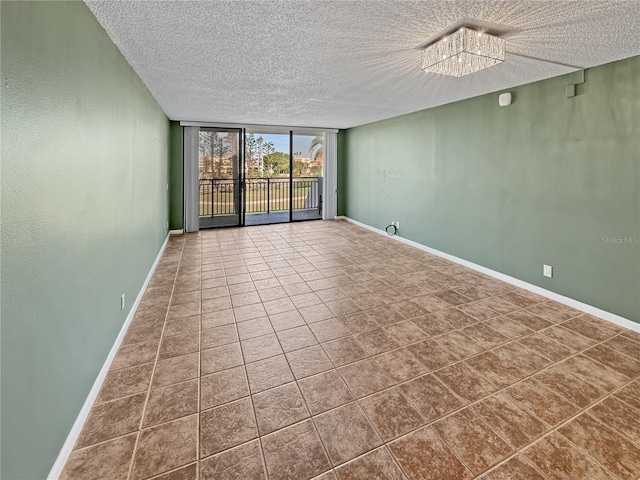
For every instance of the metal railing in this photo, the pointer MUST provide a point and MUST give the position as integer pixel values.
(262, 195)
(217, 197)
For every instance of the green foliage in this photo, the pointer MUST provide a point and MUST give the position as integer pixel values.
(251, 147)
(299, 168)
(276, 163)
(316, 149)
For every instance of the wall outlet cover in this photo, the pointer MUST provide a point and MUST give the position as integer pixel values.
(547, 271)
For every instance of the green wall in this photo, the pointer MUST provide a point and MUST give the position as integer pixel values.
(176, 208)
(85, 152)
(341, 172)
(511, 188)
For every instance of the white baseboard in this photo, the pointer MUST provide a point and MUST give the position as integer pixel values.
(67, 447)
(176, 232)
(584, 307)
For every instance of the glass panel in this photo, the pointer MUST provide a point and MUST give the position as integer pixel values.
(266, 177)
(308, 156)
(219, 167)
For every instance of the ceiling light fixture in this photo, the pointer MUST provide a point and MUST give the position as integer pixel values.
(463, 52)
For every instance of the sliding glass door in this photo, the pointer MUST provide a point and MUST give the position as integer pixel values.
(267, 177)
(256, 176)
(307, 179)
(220, 177)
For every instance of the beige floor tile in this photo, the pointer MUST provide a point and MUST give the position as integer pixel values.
(559, 379)
(268, 373)
(516, 468)
(510, 420)
(308, 361)
(188, 472)
(618, 415)
(218, 336)
(431, 354)
(630, 394)
(496, 370)
(344, 350)
(377, 341)
(424, 456)
(227, 426)
(322, 351)
(391, 413)
(608, 447)
(279, 407)
(125, 382)
(110, 459)
(346, 433)
(220, 358)
(169, 403)
(477, 445)
(176, 370)
(559, 460)
(296, 338)
(242, 462)
(466, 382)
(329, 330)
(376, 465)
(400, 365)
(217, 319)
(325, 391)
(544, 403)
(315, 313)
(179, 345)
(112, 419)
(254, 328)
(627, 365)
(257, 348)
(135, 354)
(223, 387)
(166, 447)
(364, 377)
(295, 453)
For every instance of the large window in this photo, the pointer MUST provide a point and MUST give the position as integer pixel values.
(219, 177)
(257, 176)
(308, 158)
(267, 181)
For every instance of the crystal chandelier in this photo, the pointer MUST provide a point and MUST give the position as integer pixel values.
(463, 52)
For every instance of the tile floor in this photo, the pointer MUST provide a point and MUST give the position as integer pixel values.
(323, 350)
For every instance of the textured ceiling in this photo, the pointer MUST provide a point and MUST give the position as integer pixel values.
(345, 63)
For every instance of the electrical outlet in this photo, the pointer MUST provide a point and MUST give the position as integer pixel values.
(547, 271)
(398, 225)
(122, 302)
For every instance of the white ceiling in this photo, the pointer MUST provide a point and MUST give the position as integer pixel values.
(341, 63)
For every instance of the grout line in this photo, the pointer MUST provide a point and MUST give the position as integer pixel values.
(253, 407)
(510, 340)
(311, 417)
(146, 402)
(199, 389)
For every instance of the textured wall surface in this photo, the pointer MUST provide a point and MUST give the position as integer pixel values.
(84, 205)
(548, 179)
(341, 172)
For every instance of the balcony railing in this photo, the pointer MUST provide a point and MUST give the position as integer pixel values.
(220, 196)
